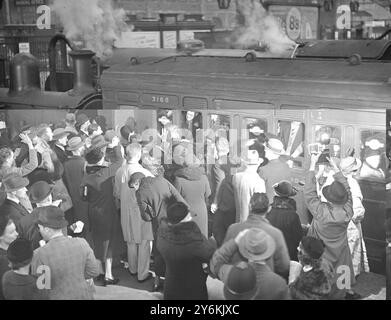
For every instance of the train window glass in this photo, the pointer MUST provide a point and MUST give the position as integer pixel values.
(329, 137)
(373, 155)
(292, 134)
(255, 127)
(192, 122)
(220, 124)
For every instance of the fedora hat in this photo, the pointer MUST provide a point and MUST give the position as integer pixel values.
(350, 164)
(39, 191)
(275, 146)
(241, 282)
(14, 181)
(99, 142)
(75, 143)
(285, 189)
(60, 133)
(51, 217)
(335, 193)
(256, 245)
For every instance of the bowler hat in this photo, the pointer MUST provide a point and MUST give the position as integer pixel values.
(20, 251)
(256, 245)
(14, 181)
(176, 212)
(259, 203)
(75, 143)
(275, 146)
(285, 189)
(81, 119)
(313, 247)
(241, 282)
(60, 133)
(39, 191)
(51, 217)
(335, 193)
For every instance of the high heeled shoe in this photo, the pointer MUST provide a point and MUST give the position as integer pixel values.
(110, 281)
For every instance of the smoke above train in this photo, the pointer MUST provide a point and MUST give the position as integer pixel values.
(91, 24)
(96, 25)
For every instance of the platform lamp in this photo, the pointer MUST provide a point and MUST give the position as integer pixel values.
(223, 4)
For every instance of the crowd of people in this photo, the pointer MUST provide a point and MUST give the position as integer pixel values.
(76, 195)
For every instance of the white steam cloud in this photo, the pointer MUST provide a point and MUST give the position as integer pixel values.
(91, 24)
(259, 28)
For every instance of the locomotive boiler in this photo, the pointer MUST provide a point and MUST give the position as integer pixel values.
(24, 91)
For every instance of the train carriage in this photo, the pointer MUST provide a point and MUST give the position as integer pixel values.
(344, 97)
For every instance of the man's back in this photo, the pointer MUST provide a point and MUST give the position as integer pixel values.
(245, 185)
(273, 172)
(71, 261)
(280, 261)
(271, 286)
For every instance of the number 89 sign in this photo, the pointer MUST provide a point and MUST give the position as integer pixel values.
(293, 23)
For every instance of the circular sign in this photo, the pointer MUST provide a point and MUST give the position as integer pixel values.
(293, 23)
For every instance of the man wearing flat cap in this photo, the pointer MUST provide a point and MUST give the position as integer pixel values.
(331, 219)
(71, 261)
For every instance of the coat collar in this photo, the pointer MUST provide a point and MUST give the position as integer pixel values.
(256, 218)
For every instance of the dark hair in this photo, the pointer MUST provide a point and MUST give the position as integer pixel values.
(135, 178)
(176, 212)
(5, 221)
(94, 156)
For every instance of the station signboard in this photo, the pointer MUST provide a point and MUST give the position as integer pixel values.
(298, 22)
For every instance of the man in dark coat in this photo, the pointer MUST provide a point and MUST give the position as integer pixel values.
(15, 188)
(97, 190)
(279, 262)
(284, 217)
(226, 211)
(60, 139)
(154, 194)
(74, 169)
(184, 249)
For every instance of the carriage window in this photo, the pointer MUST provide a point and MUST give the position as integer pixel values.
(373, 155)
(191, 121)
(292, 134)
(220, 124)
(255, 127)
(165, 126)
(329, 137)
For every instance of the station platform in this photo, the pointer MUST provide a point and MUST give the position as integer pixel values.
(371, 286)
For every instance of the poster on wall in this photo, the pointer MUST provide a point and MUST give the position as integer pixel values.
(169, 39)
(299, 23)
(138, 40)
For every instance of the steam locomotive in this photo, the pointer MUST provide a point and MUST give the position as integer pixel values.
(24, 91)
